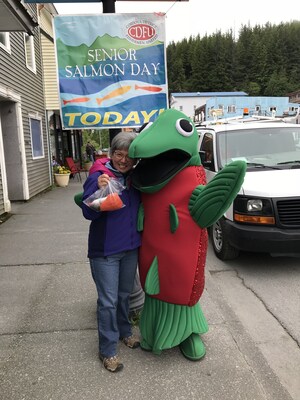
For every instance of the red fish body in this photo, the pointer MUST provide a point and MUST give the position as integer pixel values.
(180, 255)
(177, 208)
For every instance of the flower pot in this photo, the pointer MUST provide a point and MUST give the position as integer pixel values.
(62, 180)
(87, 165)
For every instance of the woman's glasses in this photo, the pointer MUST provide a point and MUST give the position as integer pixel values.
(118, 156)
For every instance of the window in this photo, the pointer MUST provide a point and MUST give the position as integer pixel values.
(207, 151)
(29, 52)
(37, 145)
(231, 109)
(4, 40)
(293, 109)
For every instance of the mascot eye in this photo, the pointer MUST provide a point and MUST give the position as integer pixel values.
(184, 127)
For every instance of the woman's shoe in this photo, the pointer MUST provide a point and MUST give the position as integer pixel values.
(112, 364)
(131, 341)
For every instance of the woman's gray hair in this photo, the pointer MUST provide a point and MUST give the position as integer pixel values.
(122, 141)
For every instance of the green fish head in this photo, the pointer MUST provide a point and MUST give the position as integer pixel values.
(163, 149)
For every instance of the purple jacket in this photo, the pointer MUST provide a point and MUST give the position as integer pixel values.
(111, 232)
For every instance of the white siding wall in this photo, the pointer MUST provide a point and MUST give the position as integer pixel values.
(50, 77)
(186, 104)
(48, 57)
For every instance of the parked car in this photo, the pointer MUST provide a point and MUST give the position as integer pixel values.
(265, 215)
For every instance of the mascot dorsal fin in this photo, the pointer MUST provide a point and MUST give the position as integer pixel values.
(174, 221)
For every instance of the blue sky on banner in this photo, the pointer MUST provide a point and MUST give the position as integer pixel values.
(72, 36)
(185, 19)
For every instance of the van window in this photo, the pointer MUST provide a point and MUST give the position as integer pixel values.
(266, 145)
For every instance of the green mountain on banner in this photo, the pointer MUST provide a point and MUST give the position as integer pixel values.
(78, 55)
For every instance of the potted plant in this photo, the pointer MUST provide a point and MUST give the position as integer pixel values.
(61, 175)
(87, 164)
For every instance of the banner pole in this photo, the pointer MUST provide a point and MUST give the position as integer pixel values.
(109, 7)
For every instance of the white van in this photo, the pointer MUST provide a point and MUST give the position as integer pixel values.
(265, 215)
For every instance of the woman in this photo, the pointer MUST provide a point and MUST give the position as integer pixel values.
(113, 251)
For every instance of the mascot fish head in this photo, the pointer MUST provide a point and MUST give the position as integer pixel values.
(163, 148)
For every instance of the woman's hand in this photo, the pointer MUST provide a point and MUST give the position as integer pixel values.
(103, 180)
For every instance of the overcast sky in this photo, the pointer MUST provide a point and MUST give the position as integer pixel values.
(193, 17)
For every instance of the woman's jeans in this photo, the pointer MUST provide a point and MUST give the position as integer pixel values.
(114, 278)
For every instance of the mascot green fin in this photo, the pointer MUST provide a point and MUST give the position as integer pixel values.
(208, 204)
(78, 199)
(174, 222)
(173, 324)
(140, 219)
(152, 279)
(192, 347)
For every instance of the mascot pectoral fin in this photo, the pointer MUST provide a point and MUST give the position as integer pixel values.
(140, 219)
(152, 279)
(78, 199)
(208, 203)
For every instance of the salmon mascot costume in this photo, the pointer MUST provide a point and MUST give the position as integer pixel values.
(177, 207)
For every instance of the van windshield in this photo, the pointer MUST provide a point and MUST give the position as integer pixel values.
(264, 146)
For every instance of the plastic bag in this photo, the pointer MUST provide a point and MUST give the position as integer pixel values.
(107, 197)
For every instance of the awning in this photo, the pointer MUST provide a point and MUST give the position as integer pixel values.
(15, 17)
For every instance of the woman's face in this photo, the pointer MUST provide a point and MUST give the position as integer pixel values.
(121, 161)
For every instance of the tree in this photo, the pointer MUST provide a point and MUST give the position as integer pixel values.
(253, 89)
(263, 60)
(278, 85)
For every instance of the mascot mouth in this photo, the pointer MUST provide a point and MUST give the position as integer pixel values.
(156, 170)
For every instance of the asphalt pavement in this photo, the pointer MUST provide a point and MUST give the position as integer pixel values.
(48, 335)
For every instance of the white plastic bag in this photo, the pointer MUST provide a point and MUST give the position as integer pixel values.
(107, 197)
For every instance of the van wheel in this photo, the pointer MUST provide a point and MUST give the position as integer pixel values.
(222, 248)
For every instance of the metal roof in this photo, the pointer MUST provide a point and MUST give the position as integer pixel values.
(208, 94)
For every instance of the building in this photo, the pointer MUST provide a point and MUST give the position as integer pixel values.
(24, 146)
(294, 96)
(236, 106)
(30, 124)
(189, 102)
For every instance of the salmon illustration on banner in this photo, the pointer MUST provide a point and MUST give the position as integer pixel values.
(114, 93)
(111, 69)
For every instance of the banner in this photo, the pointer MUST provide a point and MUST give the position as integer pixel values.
(111, 69)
